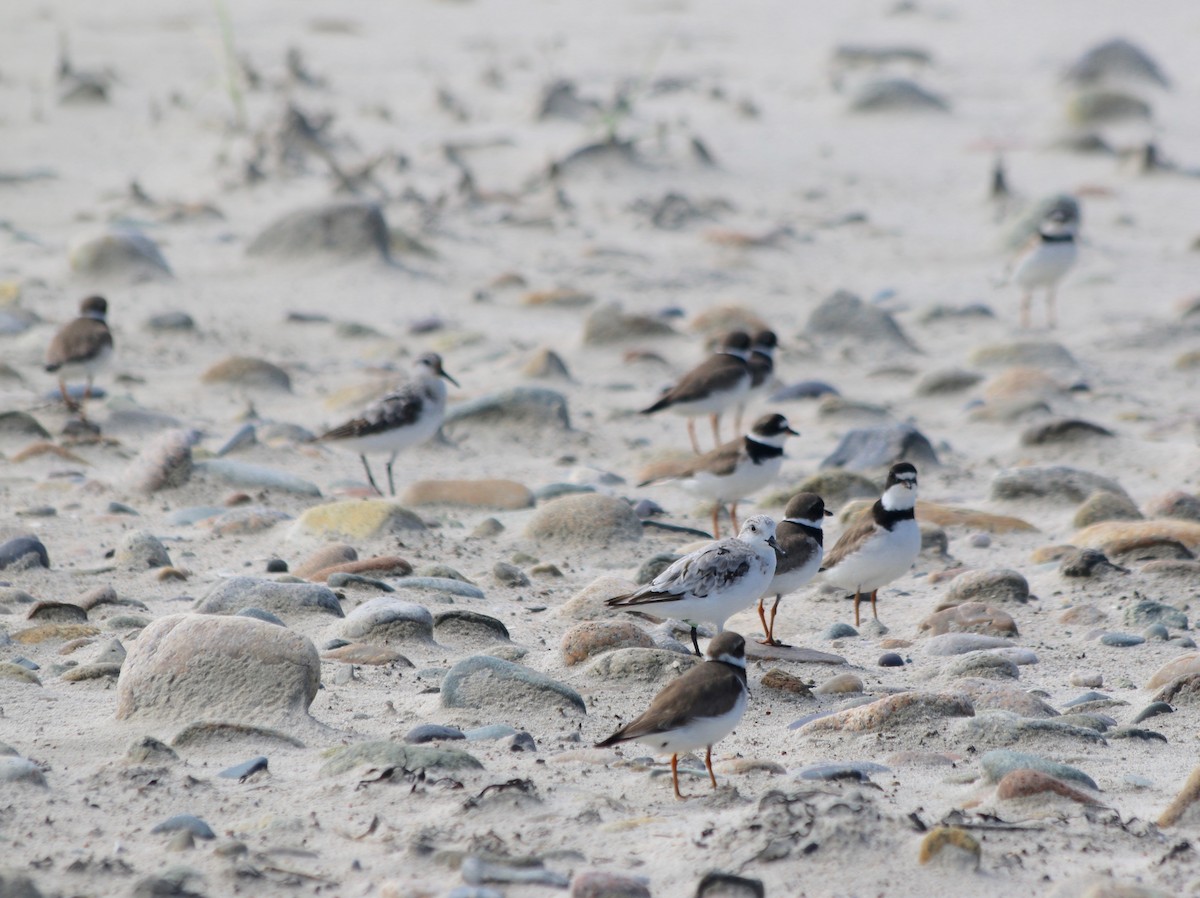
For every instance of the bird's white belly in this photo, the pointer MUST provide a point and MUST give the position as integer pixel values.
(698, 733)
(789, 581)
(720, 605)
(747, 479)
(394, 440)
(1046, 265)
(879, 561)
(90, 368)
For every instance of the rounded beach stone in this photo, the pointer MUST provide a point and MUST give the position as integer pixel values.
(1184, 808)
(462, 624)
(165, 463)
(642, 665)
(1105, 506)
(585, 520)
(590, 638)
(333, 231)
(840, 684)
(356, 520)
(990, 586)
(1056, 483)
(22, 553)
(970, 617)
(961, 643)
(1181, 666)
(387, 620)
(1027, 783)
(484, 682)
(284, 599)
(999, 729)
(1183, 690)
(502, 495)
(118, 254)
(188, 667)
(950, 846)
(378, 565)
(893, 712)
(986, 665)
(139, 551)
(248, 372)
(382, 753)
(20, 770)
(1175, 504)
(327, 556)
(598, 884)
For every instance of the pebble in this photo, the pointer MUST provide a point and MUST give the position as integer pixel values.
(585, 640)
(893, 712)
(60, 612)
(654, 566)
(1028, 783)
(384, 753)
(1183, 808)
(950, 846)
(970, 617)
(1149, 612)
(287, 600)
(998, 763)
(461, 624)
(356, 520)
(1182, 690)
(611, 324)
(598, 884)
(1105, 506)
(1002, 728)
(487, 528)
(785, 682)
(531, 409)
(1087, 563)
(1153, 710)
(139, 550)
(247, 521)
(364, 653)
(19, 770)
(387, 620)
(946, 381)
(1156, 631)
(503, 495)
(890, 659)
(1130, 732)
(443, 585)
(432, 732)
(960, 643)
(171, 321)
(185, 823)
(165, 462)
(249, 476)
(839, 684)
(475, 870)
(994, 585)
(521, 742)
(188, 667)
(858, 771)
(509, 574)
(588, 521)
(993, 695)
(1090, 678)
(838, 631)
(23, 553)
(343, 580)
(13, 670)
(642, 665)
(866, 449)
(1056, 483)
(717, 884)
(985, 664)
(244, 770)
(491, 732)
(1178, 667)
(484, 682)
(342, 230)
(1121, 640)
(118, 254)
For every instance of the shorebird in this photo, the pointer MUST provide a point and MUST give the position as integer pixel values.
(761, 363)
(83, 346)
(734, 470)
(800, 537)
(711, 387)
(405, 417)
(881, 544)
(714, 582)
(696, 710)
(1045, 261)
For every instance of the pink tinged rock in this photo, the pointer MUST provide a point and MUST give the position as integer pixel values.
(325, 557)
(1185, 803)
(970, 617)
(585, 640)
(1027, 783)
(1181, 666)
(893, 712)
(494, 494)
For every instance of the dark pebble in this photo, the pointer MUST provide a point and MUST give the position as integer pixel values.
(1153, 710)
(716, 884)
(1087, 697)
(24, 552)
(654, 566)
(334, 644)
(521, 742)
(260, 614)
(1121, 640)
(277, 566)
(171, 321)
(805, 389)
(432, 732)
(121, 508)
(1135, 733)
(26, 663)
(186, 823)
(859, 771)
(342, 579)
(839, 631)
(245, 769)
(1156, 631)
(648, 508)
(890, 659)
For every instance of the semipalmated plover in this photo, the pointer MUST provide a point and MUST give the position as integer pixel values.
(405, 417)
(881, 544)
(696, 710)
(714, 582)
(800, 536)
(711, 387)
(1046, 259)
(83, 346)
(735, 470)
(762, 372)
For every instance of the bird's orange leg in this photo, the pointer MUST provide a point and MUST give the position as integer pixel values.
(691, 425)
(675, 776)
(708, 763)
(857, 599)
(733, 517)
(874, 593)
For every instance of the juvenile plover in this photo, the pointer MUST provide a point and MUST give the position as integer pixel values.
(713, 386)
(762, 372)
(1045, 261)
(696, 710)
(736, 469)
(714, 582)
(83, 346)
(405, 417)
(881, 544)
(800, 536)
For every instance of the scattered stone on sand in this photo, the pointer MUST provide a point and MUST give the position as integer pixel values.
(502, 495)
(844, 316)
(870, 448)
(287, 600)
(892, 713)
(1030, 783)
(950, 516)
(970, 617)
(1056, 483)
(23, 553)
(185, 823)
(960, 643)
(601, 884)
(1031, 354)
(1148, 612)
(1002, 695)
(328, 556)
(1092, 679)
(1105, 506)
(586, 520)
(365, 653)
(165, 463)
(383, 754)
(57, 612)
(432, 732)
(982, 664)
(248, 521)
(1117, 60)
(185, 667)
(1183, 690)
(641, 665)
(386, 621)
(54, 633)
(330, 232)
(139, 551)
(1177, 667)
(249, 476)
(509, 575)
(14, 672)
(947, 381)
(356, 520)
(950, 847)
(1063, 431)
(782, 681)
(120, 255)
(482, 681)
(1117, 538)
(989, 586)
(837, 486)
(999, 763)
(462, 625)
(591, 638)
(546, 364)
(1087, 563)
(839, 684)
(897, 95)
(611, 324)
(1174, 504)
(1184, 808)
(248, 373)
(381, 565)
(527, 410)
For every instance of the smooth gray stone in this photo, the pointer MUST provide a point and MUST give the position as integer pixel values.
(890, 659)
(1121, 640)
(432, 732)
(182, 517)
(554, 490)
(387, 619)
(1147, 612)
(961, 643)
(245, 769)
(868, 448)
(440, 584)
(997, 764)
(718, 884)
(653, 566)
(522, 742)
(282, 599)
(385, 753)
(23, 553)
(75, 392)
(171, 321)
(244, 436)
(342, 579)
(860, 771)
(839, 630)
(845, 706)
(460, 622)
(1056, 482)
(20, 770)
(845, 316)
(491, 732)
(804, 389)
(518, 406)
(1157, 631)
(1153, 710)
(185, 823)
(26, 663)
(260, 614)
(989, 665)
(475, 871)
(1128, 732)
(332, 231)
(1085, 698)
(1003, 728)
(1016, 655)
(243, 474)
(482, 681)
(1101, 723)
